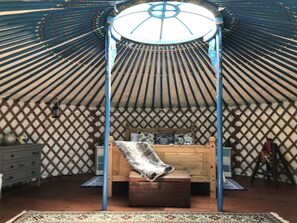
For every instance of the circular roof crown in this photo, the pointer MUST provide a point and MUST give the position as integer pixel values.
(165, 22)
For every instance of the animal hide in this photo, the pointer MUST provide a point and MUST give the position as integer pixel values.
(143, 159)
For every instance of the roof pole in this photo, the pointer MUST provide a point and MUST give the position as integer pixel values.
(219, 92)
(108, 67)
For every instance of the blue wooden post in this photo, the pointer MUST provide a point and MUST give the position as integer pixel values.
(108, 68)
(219, 94)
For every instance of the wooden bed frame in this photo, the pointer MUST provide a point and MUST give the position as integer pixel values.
(198, 160)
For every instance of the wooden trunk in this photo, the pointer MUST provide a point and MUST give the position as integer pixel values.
(173, 190)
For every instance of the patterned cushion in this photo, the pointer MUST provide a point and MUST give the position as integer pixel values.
(146, 137)
(184, 139)
(164, 138)
(179, 139)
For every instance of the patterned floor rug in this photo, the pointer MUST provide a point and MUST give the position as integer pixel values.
(96, 181)
(231, 184)
(143, 217)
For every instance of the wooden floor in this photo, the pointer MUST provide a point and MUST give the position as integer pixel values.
(65, 193)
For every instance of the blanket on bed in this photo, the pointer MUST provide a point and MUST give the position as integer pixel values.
(143, 159)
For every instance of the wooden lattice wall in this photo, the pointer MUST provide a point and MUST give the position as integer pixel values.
(253, 124)
(69, 141)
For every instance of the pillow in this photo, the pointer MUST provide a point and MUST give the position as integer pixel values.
(184, 139)
(134, 136)
(164, 138)
(179, 139)
(146, 137)
(189, 138)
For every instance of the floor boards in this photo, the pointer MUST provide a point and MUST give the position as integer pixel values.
(65, 193)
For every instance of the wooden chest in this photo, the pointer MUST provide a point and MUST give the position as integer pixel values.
(173, 190)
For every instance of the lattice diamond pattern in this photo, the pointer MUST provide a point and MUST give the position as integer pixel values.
(69, 141)
(277, 121)
(70, 132)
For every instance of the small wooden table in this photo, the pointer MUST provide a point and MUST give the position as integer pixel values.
(172, 190)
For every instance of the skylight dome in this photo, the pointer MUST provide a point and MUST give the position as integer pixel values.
(165, 23)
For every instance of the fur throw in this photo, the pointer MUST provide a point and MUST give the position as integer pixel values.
(143, 159)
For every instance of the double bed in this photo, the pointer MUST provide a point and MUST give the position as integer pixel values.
(198, 160)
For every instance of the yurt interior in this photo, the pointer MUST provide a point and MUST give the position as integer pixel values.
(117, 106)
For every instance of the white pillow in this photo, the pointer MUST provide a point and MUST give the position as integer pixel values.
(134, 137)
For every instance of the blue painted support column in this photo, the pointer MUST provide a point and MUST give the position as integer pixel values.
(219, 94)
(107, 114)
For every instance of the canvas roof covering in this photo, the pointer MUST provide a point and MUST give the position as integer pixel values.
(56, 49)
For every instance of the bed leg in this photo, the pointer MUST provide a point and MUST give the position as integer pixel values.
(110, 166)
(213, 178)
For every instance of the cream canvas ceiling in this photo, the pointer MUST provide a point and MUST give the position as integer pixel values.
(56, 49)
